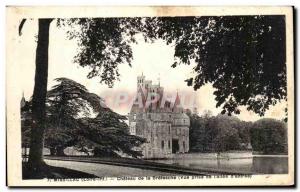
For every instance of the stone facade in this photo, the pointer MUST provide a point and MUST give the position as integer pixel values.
(162, 122)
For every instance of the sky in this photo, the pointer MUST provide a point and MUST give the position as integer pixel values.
(153, 60)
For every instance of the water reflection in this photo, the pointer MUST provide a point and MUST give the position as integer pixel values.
(262, 165)
(270, 165)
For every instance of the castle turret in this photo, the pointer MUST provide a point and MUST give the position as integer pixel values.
(177, 105)
(141, 82)
(163, 125)
(177, 101)
(23, 101)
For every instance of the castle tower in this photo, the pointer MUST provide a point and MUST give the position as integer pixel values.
(141, 82)
(165, 129)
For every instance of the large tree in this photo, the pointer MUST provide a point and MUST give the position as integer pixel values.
(243, 57)
(66, 102)
(104, 45)
(108, 135)
(269, 136)
(200, 135)
(218, 133)
(35, 161)
(70, 108)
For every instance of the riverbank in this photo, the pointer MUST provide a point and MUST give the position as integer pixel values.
(194, 163)
(257, 164)
(223, 155)
(257, 155)
(106, 170)
(148, 165)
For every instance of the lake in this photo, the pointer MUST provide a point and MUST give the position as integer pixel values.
(256, 164)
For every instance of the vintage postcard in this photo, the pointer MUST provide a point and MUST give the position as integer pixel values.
(150, 96)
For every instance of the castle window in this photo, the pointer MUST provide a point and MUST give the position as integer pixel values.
(169, 129)
(134, 116)
(162, 144)
(169, 144)
(183, 144)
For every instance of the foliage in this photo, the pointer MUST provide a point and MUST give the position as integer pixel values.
(243, 57)
(223, 133)
(218, 133)
(200, 136)
(66, 101)
(26, 121)
(103, 65)
(104, 44)
(109, 134)
(269, 136)
(69, 107)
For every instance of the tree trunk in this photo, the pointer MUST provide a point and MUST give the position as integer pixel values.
(60, 151)
(35, 161)
(52, 151)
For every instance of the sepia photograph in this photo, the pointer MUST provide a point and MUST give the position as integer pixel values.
(150, 96)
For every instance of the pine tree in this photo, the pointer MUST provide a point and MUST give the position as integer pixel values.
(69, 107)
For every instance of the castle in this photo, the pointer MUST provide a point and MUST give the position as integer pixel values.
(160, 121)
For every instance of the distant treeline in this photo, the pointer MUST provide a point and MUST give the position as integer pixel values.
(223, 133)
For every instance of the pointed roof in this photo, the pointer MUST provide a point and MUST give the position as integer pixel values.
(23, 100)
(177, 100)
(140, 90)
(140, 95)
